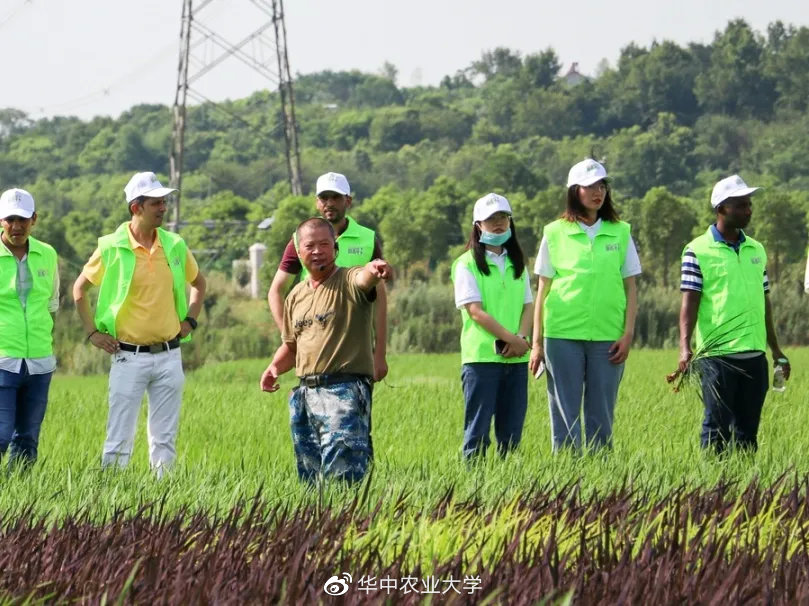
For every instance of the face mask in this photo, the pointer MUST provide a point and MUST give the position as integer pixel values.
(494, 239)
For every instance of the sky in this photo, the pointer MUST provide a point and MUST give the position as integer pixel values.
(101, 57)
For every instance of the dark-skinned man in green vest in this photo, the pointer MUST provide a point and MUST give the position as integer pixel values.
(726, 308)
(29, 295)
(356, 246)
(141, 317)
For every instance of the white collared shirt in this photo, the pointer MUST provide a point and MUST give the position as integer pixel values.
(466, 287)
(543, 266)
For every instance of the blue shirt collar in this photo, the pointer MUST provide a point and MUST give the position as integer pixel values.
(719, 238)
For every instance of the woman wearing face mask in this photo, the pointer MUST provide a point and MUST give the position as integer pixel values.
(493, 293)
(585, 309)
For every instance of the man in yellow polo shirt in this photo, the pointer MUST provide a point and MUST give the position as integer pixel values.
(141, 317)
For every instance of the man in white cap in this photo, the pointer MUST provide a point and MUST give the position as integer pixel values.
(29, 296)
(357, 245)
(141, 316)
(726, 307)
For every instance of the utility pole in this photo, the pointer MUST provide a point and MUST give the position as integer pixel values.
(287, 100)
(191, 27)
(180, 95)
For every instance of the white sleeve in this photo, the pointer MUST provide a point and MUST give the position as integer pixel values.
(631, 265)
(53, 303)
(529, 296)
(466, 287)
(543, 266)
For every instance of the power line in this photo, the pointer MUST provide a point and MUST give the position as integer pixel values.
(190, 27)
(14, 12)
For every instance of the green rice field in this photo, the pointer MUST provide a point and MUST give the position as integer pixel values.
(654, 518)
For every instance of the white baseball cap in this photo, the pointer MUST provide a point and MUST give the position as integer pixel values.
(586, 173)
(488, 205)
(145, 184)
(730, 187)
(16, 203)
(332, 182)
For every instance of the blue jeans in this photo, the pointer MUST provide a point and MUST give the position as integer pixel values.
(582, 383)
(493, 389)
(23, 398)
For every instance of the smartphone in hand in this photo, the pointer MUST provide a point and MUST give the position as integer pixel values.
(540, 371)
(499, 346)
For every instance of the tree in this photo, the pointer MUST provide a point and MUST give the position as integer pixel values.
(780, 225)
(736, 82)
(664, 227)
(540, 70)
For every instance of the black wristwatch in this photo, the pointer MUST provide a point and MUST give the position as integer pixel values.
(191, 321)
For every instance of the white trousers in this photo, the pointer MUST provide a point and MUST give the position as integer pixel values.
(160, 376)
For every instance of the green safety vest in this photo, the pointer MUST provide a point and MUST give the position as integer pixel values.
(732, 298)
(119, 267)
(356, 246)
(587, 300)
(27, 333)
(502, 297)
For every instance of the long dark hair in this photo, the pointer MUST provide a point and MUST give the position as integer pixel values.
(575, 210)
(512, 246)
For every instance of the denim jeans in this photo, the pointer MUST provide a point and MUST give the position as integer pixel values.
(493, 389)
(331, 430)
(23, 399)
(582, 383)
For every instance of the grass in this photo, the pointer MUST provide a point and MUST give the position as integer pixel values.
(234, 442)
(656, 500)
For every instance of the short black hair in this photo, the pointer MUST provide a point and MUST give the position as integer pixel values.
(315, 222)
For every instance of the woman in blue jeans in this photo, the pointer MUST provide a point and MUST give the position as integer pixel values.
(493, 292)
(585, 310)
(29, 294)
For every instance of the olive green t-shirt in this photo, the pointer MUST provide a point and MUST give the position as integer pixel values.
(331, 326)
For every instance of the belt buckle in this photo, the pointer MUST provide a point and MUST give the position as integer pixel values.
(157, 348)
(312, 381)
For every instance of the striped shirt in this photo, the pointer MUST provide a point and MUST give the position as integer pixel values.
(691, 275)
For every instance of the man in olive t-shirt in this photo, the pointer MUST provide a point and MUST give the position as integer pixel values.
(328, 339)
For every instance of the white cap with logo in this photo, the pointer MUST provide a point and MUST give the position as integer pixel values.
(332, 182)
(488, 205)
(730, 187)
(586, 173)
(16, 203)
(145, 184)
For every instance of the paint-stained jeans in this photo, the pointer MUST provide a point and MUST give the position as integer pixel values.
(331, 430)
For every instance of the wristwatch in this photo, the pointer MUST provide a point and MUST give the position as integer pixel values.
(191, 321)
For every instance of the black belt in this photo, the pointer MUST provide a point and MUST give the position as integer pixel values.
(153, 348)
(333, 379)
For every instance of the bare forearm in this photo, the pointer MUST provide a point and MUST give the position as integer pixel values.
(283, 360)
(526, 319)
(688, 317)
(772, 337)
(543, 287)
(198, 288)
(631, 290)
(491, 325)
(83, 305)
(381, 319)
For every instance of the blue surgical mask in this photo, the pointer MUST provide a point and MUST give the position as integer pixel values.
(494, 239)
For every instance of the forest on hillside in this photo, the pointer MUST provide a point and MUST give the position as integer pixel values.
(667, 120)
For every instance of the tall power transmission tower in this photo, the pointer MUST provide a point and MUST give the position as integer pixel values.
(193, 34)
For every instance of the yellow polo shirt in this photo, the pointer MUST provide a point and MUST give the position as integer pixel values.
(147, 315)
